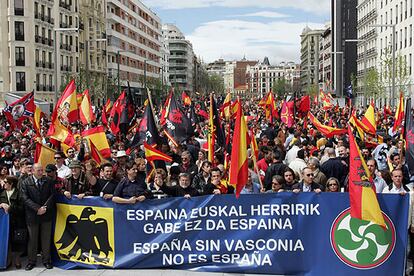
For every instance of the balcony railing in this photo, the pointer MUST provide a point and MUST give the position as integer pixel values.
(19, 36)
(18, 11)
(20, 62)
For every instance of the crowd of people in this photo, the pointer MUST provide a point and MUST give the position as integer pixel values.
(290, 159)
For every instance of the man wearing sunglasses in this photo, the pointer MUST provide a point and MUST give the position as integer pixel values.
(307, 184)
(63, 171)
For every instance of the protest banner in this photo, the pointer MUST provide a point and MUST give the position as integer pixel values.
(281, 233)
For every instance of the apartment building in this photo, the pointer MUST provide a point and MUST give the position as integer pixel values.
(310, 43)
(30, 31)
(325, 58)
(180, 59)
(400, 14)
(262, 77)
(134, 44)
(92, 61)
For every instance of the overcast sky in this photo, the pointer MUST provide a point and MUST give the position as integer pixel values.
(231, 29)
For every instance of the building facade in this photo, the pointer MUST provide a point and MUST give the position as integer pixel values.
(180, 59)
(310, 43)
(325, 58)
(134, 41)
(400, 14)
(344, 57)
(37, 50)
(263, 77)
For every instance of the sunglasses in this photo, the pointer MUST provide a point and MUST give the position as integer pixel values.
(309, 174)
(56, 158)
(332, 184)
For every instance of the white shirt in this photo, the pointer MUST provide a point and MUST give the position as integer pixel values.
(380, 184)
(63, 171)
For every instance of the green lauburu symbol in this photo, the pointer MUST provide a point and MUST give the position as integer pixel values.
(362, 244)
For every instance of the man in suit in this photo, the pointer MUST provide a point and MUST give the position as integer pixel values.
(307, 184)
(38, 196)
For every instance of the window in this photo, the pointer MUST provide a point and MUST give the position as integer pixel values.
(20, 81)
(19, 31)
(19, 51)
(18, 7)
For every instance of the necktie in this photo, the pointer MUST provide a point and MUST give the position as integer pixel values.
(38, 183)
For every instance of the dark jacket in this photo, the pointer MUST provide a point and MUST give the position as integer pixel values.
(78, 186)
(334, 167)
(200, 183)
(274, 169)
(16, 211)
(34, 198)
(192, 170)
(180, 191)
(314, 186)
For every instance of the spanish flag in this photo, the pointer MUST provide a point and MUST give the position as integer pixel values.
(37, 116)
(85, 110)
(44, 155)
(67, 105)
(238, 166)
(399, 114)
(363, 199)
(368, 123)
(62, 134)
(105, 112)
(152, 154)
(253, 145)
(97, 136)
(95, 154)
(327, 131)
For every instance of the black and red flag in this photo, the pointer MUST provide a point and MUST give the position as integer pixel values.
(409, 137)
(116, 113)
(20, 110)
(177, 126)
(147, 130)
(128, 113)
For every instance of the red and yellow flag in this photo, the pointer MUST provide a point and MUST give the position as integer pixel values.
(363, 199)
(37, 116)
(399, 114)
(152, 154)
(327, 131)
(97, 136)
(226, 107)
(211, 130)
(286, 115)
(44, 155)
(96, 155)
(186, 99)
(238, 166)
(105, 112)
(368, 122)
(85, 109)
(165, 108)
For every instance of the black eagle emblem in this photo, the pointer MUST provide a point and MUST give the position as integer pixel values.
(90, 237)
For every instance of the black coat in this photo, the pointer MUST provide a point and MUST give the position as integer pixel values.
(16, 210)
(314, 186)
(34, 198)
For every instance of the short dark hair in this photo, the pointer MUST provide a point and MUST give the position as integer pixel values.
(61, 154)
(12, 180)
(104, 165)
(129, 165)
(216, 169)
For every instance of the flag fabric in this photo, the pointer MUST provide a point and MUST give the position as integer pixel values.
(368, 122)
(20, 110)
(127, 114)
(225, 109)
(152, 154)
(147, 130)
(238, 166)
(85, 109)
(409, 138)
(165, 109)
(269, 105)
(95, 154)
(116, 112)
(327, 131)
(304, 105)
(66, 109)
(37, 116)
(286, 115)
(177, 126)
(399, 114)
(97, 136)
(44, 155)
(193, 116)
(326, 100)
(362, 195)
(105, 112)
(186, 99)
(62, 134)
(253, 145)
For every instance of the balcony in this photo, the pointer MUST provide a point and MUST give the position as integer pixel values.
(18, 11)
(63, 25)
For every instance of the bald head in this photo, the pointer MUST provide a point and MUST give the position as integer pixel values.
(331, 152)
(37, 170)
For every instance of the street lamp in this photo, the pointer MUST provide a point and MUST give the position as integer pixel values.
(342, 72)
(365, 61)
(393, 56)
(56, 55)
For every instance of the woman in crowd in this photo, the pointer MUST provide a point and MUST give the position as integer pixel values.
(12, 203)
(332, 185)
(4, 172)
(158, 182)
